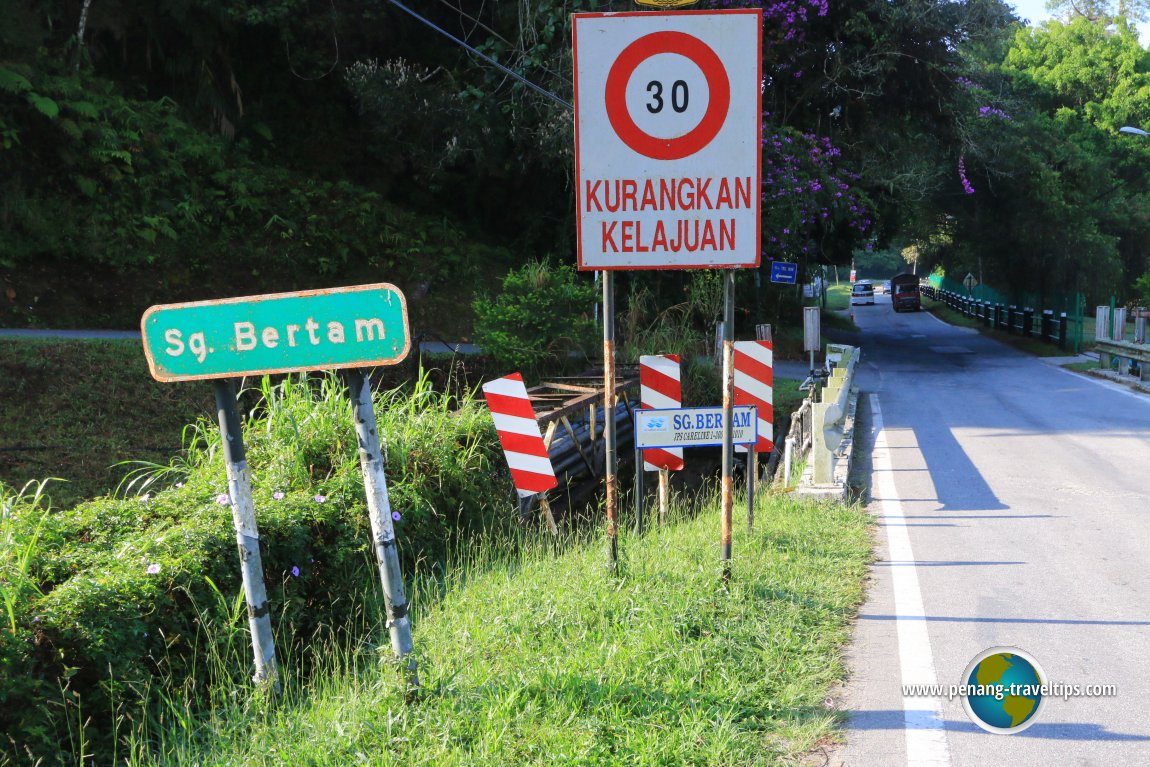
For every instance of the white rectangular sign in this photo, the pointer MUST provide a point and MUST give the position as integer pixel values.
(668, 129)
(693, 427)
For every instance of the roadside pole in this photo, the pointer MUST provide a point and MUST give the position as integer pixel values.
(752, 480)
(728, 414)
(247, 534)
(609, 417)
(638, 491)
(382, 528)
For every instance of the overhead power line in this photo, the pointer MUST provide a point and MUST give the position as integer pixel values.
(483, 56)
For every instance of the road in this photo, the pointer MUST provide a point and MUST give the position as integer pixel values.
(1012, 502)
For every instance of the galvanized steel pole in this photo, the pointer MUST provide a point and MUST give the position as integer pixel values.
(247, 533)
(728, 414)
(609, 416)
(382, 528)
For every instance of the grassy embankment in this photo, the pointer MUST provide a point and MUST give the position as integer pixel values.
(74, 408)
(546, 659)
(526, 656)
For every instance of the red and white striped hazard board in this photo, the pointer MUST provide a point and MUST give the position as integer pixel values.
(660, 388)
(519, 434)
(754, 385)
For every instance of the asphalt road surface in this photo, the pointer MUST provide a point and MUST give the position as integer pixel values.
(1012, 501)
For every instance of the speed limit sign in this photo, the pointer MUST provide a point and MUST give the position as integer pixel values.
(667, 138)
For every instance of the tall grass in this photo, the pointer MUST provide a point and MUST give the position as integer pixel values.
(540, 657)
(130, 603)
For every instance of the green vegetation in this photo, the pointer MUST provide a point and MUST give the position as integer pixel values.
(539, 658)
(74, 409)
(114, 599)
(540, 320)
(125, 614)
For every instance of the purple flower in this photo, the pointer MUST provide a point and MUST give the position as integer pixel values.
(145, 497)
(295, 571)
(395, 515)
(179, 484)
(222, 499)
(278, 495)
(153, 568)
(320, 498)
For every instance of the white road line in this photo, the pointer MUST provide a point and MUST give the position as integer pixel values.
(1113, 386)
(926, 744)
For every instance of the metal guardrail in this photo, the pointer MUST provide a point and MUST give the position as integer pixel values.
(817, 427)
(829, 416)
(1126, 353)
(1026, 322)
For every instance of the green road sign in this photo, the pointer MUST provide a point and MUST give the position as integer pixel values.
(361, 326)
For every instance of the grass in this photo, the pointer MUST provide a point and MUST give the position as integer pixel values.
(543, 658)
(73, 409)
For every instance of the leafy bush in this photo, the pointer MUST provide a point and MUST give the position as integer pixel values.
(106, 185)
(540, 319)
(130, 594)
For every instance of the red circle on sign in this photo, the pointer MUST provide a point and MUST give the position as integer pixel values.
(717, 83)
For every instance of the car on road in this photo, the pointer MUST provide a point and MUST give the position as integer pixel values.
(884, 288)
(904, 293)
(862, 293)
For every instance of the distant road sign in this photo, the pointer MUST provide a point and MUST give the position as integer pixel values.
(781, 271)
(362, 326)
(668, 128)
(969, 282)
(693, 427)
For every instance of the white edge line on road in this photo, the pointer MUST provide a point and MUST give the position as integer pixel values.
(1113, 386)
(926, 743)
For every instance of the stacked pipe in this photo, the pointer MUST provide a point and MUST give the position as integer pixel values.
(583, 456)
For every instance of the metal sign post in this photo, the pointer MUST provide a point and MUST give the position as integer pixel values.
(355, 327)
(727, 503)
(247, 534)
(609, 418)
(382, 529)
(812, 335)
(668, 137)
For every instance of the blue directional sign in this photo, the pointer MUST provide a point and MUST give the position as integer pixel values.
(781, 271)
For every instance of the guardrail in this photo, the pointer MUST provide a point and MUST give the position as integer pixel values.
(1126, 353)
(829, 416)
(1026, 322)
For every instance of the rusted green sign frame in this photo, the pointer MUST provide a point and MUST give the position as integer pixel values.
(361, 326)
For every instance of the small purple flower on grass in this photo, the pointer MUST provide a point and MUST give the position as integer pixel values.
(278, 495)
(395, 515)
(179, 484)
(321, 499)
(295, 571)
(153, 568)
(145, 497)
(222, 499)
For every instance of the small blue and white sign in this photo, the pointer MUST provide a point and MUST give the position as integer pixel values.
(781, 271)
(693, 427)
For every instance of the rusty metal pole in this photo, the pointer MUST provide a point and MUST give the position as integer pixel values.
(610, 458)
(727, 507)
(247, 534)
